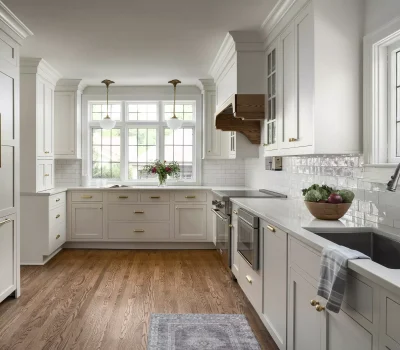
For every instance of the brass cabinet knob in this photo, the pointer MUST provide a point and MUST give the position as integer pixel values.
(46, 175)
(58, 199)
(230, 226)
(271, 228)
(249, 279)
(235, 212)
(292, 139)
(58, 236)
(320, 308)
(57, 216)
(314, 302)
(46, 152)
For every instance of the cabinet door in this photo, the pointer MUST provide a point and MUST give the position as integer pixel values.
(275, 282)
(48, 120)
(49, 175)
(191, 222)
(212, 135)
(44, 119)
(64, 124)
(8, 256)
(234, 235)
(304, 322)
(40, 127)
(87, 221)
(271, 126)
(232, 144)
(340, 332)
(304, 46)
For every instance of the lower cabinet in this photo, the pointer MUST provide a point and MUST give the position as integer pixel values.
(389, 321)
(191, 221)
(87, 220)
(8, 256)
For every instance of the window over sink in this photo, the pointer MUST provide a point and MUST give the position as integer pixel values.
(139, 138)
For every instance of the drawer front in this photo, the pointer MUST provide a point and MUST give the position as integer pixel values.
(57, 237)
(154, 196)
(146, 231)
(89, 196)
(190, 196)
(251, 283)
(57, 215)
(57, 199)
(359, 296)
(138, 212)
(305, 259)
(122, 197)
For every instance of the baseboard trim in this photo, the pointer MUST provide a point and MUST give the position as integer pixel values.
(139, 245)
(45, 260)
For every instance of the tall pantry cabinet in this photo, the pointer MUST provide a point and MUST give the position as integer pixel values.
(12, 33)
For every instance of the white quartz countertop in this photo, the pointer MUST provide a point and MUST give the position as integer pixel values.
(45, 193)
(292, 216)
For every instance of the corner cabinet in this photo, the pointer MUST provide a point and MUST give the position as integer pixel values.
(67, 119)
(308, 105)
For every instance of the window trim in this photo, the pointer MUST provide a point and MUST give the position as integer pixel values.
(87, 125)
(375, 94)
(393, 51)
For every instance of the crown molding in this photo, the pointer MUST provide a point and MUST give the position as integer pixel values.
(16, 28)
(39, 66)
(70, 85)
(207, 85)
(275, 16)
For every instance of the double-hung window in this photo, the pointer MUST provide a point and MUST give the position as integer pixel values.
(394, 103)
(141, 136)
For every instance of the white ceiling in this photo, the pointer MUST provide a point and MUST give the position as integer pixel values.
(134, 42)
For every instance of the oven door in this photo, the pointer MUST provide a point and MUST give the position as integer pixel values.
(223, 236)
(248, 243)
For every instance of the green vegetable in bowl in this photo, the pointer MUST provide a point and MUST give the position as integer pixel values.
(324, 190)
(313, 196)
(346, 195)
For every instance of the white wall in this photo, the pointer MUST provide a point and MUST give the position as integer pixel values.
(380, 12)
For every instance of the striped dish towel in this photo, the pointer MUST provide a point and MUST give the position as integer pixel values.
(333, 274)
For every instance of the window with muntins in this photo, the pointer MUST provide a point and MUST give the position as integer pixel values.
(139, 138)
(394, 103)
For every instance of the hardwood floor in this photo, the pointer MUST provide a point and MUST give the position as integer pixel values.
(102, 299)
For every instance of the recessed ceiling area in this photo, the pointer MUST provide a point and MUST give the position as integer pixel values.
(134, 42)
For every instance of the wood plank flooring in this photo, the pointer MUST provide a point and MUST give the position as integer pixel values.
(102, 299)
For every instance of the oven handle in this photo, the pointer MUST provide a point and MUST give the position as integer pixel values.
(216, 212)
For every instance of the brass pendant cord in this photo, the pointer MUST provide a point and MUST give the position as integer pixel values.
(174, 82)
(107, 82)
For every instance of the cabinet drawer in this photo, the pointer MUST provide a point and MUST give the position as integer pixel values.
(251, 283)
(122, 197)
(190, 196)
(154, 196)
(144, 232)
(90, 196)
(57, 237)
(138, 212)
(57, 215)
(57, 199)
(304, 258)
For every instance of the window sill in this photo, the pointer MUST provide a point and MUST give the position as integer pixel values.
(382, 165)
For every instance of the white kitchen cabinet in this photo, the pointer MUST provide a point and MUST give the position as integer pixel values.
(8, 256)
(67, 119)
(275, 282)
(311, 101)
(87, 221)
(191, 221)
(234, 239)
(38, 81)
(389, 321)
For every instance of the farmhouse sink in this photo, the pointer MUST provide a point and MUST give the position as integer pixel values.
(382, 250)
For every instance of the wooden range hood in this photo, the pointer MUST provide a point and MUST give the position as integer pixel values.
(242, 113)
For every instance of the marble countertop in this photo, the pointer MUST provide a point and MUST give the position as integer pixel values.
(292, 216)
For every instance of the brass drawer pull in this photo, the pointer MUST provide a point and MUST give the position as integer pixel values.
(190, 197)
(57, 216)
(58, 236)
(123, 197)
(5, 221)
(86, 197)
(139, 212)
(320, 308)
(46, 175)
(248, 278)
(314, 302)
(46, 152)
(235, 212)
(154, 197)
(138, 231)
(292, 139)
(58, 199)
(271, 228)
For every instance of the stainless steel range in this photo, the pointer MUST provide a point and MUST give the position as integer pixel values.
(222, 208)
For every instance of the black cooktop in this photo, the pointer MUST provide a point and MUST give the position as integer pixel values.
(225, 195)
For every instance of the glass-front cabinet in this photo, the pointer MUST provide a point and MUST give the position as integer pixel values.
(271, 120)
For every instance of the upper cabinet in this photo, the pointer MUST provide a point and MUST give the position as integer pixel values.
(237, 69)
(67, 119)
(38, 80)
(313, 80)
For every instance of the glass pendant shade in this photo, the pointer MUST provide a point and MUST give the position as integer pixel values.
(174, 123)
(107, 123)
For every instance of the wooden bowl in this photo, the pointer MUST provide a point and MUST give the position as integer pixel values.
(327, 211)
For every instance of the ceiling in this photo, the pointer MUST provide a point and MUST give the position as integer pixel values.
(134, 42)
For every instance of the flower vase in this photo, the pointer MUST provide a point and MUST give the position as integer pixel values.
(162, 180)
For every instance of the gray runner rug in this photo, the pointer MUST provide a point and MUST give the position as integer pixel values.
(200, 332)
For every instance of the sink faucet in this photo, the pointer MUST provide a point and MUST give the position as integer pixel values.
(392, 184)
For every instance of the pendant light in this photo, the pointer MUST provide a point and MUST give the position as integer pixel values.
(174, 123)
(107, 123)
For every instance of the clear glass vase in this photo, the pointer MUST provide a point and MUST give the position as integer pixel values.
(162, 180)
